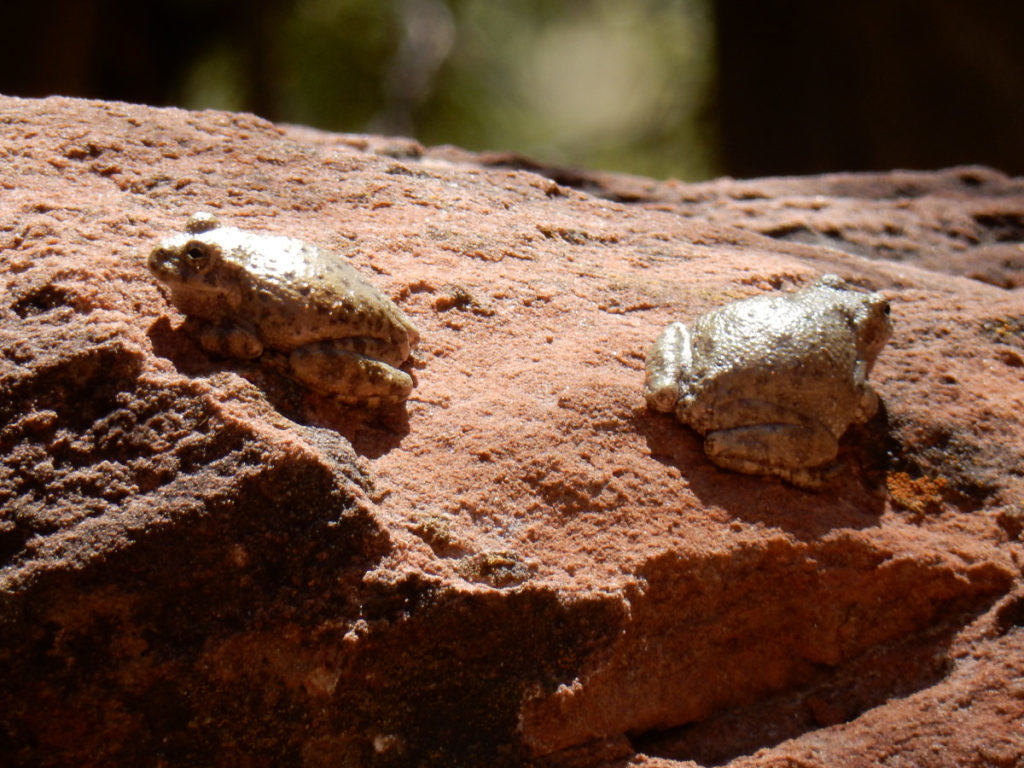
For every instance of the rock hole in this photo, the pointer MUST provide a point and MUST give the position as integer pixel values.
(1002, 226)
(43, 299)
(971, 179)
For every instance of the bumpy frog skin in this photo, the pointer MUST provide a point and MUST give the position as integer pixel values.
(308, 311)
(773, 381)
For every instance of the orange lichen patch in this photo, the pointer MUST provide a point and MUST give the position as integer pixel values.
(919, 495)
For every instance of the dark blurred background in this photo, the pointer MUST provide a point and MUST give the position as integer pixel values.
(667, 88)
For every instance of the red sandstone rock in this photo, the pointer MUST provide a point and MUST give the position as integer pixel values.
(204, 565)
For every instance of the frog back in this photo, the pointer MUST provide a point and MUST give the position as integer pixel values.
(771, 348)
(293, 294)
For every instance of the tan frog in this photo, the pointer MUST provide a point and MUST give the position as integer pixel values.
(773, 381)
(249, 295)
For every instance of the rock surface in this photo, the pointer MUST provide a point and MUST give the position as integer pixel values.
(204, 565)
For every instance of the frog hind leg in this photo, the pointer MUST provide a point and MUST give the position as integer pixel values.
(349, 376)
(796, 453)
(375, 349)
(780, 442)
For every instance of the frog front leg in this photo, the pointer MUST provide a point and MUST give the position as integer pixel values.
(867, 401)
(772, 440)
(351, 370)
(226, 340)
(668, 361)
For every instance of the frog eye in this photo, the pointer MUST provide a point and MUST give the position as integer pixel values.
(197, 256)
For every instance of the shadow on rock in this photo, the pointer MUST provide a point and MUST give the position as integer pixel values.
(853, 498)
(372, 431)
(828, 697)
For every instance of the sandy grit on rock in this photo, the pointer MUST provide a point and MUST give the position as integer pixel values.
(203, 563)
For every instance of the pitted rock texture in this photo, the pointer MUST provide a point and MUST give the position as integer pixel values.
(204, 564)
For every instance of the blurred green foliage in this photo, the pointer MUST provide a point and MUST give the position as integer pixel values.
(594, 83)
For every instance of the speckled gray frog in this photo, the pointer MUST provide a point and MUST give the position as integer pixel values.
(773, 381)
(249, 295)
